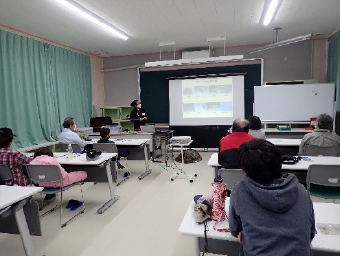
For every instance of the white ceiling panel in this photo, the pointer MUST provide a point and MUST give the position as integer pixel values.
(187, 22)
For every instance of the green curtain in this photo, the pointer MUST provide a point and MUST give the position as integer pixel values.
(41, 84)
(333, 70)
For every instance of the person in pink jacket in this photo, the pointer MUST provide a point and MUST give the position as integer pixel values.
(44, 156)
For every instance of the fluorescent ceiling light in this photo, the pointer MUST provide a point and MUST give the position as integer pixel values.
(270, 10)
(281, 43)
(80, 10)
(215, 39)
(166, 44)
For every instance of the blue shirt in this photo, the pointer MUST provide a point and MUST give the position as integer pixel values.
(69, 137)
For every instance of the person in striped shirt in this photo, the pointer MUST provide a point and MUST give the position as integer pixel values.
(13, 158)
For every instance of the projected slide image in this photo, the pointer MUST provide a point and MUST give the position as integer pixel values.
(208, 109)
(226, 89)
(201, 90)
(188, 91)
(214, 89)
(207, 93)
(212, 100)
(208, 98)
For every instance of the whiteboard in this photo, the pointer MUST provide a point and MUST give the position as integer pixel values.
(293, 103)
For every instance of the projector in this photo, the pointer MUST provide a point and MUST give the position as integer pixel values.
(180, 140)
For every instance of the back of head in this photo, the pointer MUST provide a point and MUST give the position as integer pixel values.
(68, 121)
(260, 160)
(45, 151)
(325, 121)
(6, 137)
(254, 123)
(240, 125)
(104, 132)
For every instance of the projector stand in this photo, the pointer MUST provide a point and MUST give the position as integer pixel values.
(182, 174)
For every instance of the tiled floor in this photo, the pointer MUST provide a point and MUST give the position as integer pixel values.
(143, 222)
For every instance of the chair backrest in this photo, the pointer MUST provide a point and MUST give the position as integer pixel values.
(75, 147)
(44, 173)
(325, 175)
(6, 174)
(231, 176)
(310, 150)
(106, 147)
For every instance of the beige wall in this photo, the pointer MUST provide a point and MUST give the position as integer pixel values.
(320, 53)
(300, 61)
(97, 83)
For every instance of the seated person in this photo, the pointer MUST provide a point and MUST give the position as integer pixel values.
(105, 138)
(270, 214)
(44, 156)
(69, 134)
(323, 136)
(255, 127)
(12, 158)
(229, 144)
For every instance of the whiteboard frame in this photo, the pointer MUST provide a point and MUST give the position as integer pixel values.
(273, 103)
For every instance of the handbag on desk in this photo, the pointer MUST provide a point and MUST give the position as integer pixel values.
(288, 159)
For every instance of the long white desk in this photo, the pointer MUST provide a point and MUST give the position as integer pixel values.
(104, 159)
(141, 143)
(294, 133)
(301, 165)
(299, 169)
(324, 213)
(279, 142)
(34, 147)
(128, 135)
(15, 196)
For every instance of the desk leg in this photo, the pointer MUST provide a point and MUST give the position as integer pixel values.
(148, 171)
(182, 157)
(114, 197)
(197, 247)
(23, 228)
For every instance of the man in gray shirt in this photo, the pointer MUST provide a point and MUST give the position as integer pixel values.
(323, 136)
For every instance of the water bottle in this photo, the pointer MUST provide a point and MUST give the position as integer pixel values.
(69, 152)
(219, 194)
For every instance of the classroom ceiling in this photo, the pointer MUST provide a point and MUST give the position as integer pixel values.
(187, 22)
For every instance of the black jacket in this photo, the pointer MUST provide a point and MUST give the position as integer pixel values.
(135, 116)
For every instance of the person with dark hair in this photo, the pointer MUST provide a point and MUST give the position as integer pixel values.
(270, 214)
(138, 115)
(255, 127)
(105, 138)
(44, 156)
(323, 136)
(69, 133)
(12, 158)
(229, 144)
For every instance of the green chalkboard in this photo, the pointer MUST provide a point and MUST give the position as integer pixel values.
(155, 88)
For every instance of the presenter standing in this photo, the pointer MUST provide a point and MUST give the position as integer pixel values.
(137, 115)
